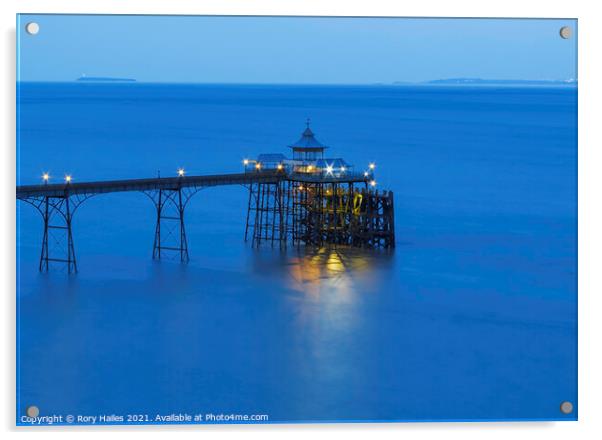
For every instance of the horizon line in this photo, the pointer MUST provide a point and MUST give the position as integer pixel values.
(430, 82)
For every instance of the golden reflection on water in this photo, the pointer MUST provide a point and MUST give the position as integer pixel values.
(329, 267)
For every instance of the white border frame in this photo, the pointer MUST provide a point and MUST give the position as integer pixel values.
(590, 221)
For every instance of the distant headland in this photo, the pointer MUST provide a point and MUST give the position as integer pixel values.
(86, 78)
(524, 82)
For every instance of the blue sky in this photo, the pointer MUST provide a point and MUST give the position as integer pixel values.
(292, 50)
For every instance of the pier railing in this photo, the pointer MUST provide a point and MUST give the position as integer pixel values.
(155, 183)
(328, 178)
(322, 176)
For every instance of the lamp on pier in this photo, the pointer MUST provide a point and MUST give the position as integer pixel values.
(181, 172)
(45, 177)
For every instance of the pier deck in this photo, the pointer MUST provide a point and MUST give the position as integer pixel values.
(169, 183)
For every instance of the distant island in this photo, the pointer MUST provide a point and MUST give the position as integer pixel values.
(480, 81)
(85, 78)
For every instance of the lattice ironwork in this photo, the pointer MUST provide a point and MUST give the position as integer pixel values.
(317, 214)
(57, 240)
(170, 229)
(266, 214)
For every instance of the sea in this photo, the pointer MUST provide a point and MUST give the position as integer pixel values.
(472, 316)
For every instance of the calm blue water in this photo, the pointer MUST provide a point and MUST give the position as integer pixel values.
(473, 316)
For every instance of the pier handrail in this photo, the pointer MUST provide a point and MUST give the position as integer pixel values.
(108, 186)
(347, 177)
(155, 183)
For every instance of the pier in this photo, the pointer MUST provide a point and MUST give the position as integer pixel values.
(307, 200)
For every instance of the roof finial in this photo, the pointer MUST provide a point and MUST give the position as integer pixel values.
(307, 122)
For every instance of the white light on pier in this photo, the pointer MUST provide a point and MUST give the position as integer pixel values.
(45, 177)
(258, 165)
(329, 169)
(245, 162)
(366, 173)
(372, 165)
(343, 169)
(373, 183)
(181, 172)
(68, 178)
